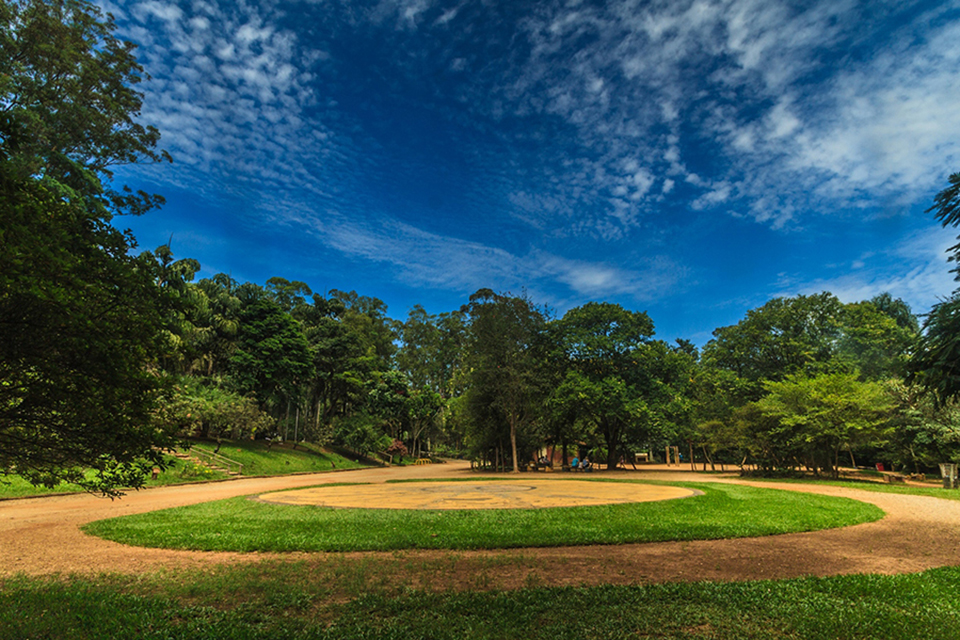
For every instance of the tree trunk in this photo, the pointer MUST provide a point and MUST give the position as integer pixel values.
(612, 458)
(513, 445)
(706, 455)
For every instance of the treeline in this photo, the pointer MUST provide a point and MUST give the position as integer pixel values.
(804, 382)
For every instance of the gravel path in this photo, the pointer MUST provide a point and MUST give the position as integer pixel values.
(42, 536)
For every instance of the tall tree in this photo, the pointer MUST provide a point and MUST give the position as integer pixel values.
(813, 334)
(935, 365)
(341, 369)
(936, 361)
(783, 337)
(79, 312)
(873, 341)
(609, 379)
(946, 208)
(272, 358)
(505, 355)
(432, 349)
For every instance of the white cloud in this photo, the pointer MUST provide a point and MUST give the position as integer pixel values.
(228, 94)
(893, 124)
(595, 114)
(422, 258)
(875, 126)
(915, 270)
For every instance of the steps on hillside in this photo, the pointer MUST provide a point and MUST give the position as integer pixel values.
(231, 467)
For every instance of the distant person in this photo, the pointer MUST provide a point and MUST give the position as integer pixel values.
(586, 464)
(575, 463)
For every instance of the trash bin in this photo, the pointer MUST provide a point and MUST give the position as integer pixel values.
(879, 466)
(948, 471)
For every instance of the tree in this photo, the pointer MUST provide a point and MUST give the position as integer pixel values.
(289, 295)
(922, 433)
(505, 355)
(827, 413)
(610, 378)
(423, 410)
(341, 368)
(201, 408)
(431, 350)
(367, 317)
(936, 361)
(80, 315)
(873, 341)
(935, 365)
(781, 338)
(897, 309)
(272, 357)
(814, 334)
(946, 208)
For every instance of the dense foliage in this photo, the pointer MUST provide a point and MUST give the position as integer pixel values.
(80, 313)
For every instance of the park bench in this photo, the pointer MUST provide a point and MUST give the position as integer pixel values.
(891, 478)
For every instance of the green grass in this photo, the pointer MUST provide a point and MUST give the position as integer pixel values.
(866, 485)
(179, 472)
(724, 511)
(292, 601)
(13, 486)
(258, 460)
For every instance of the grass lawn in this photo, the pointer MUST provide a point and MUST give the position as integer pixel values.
(179, 472)
(241, 524)
(340, 599)
(258, 460)
(866, 485)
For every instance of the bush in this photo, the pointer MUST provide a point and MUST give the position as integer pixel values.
(198, 410)
(361, 433)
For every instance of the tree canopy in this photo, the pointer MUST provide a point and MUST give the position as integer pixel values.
(80, 313)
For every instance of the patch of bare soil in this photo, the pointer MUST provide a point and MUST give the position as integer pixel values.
(42, 537)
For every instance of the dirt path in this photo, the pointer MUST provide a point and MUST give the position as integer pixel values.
(42, 536)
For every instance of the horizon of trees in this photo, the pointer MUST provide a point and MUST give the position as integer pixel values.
(799, 382)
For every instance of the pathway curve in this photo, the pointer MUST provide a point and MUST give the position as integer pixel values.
(42, 536)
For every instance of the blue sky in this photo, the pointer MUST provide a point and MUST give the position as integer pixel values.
(688, 158)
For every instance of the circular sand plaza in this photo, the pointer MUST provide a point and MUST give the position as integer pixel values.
(494, 494)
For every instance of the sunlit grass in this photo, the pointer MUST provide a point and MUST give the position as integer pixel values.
(259, 459)
(178, 472)
(724, 511)
(866, 485)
